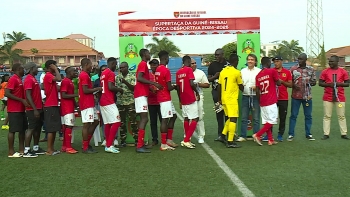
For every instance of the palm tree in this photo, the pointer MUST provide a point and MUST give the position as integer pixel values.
(34, 51)
(17, 37)
(291, 49)
(277, 52)
(163, 44)
(262, 52)
(7, 53)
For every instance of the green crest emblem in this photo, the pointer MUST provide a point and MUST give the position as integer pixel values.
(248, 47)
(131, 51)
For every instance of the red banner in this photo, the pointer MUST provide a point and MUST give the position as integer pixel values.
(191, 26)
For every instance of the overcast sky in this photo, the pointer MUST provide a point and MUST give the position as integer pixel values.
(280, 20)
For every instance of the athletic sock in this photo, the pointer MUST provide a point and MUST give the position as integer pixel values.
(112, 133)
(231, 131)
(269, 135)
(170, 134)
(26, 149)
(190, 131)
(36, 147)
(67, 137)
(226, 127)
(85, 145)
(89, 138)
(164, 136)
(263, 130)
(186, 125)
(140, 138)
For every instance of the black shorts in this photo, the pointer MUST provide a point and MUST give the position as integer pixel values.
(33, 122)
(52, 118)
(4, 102)
(17, 122)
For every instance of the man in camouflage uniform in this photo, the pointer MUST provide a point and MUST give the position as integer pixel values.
(125, 102)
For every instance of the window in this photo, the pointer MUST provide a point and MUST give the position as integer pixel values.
(40, 60)
(264, 47)
(347, 58)
(61, 60)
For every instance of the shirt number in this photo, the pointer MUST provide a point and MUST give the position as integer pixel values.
(103, 86)
(182, 84)
(265, 85)
(225, 82)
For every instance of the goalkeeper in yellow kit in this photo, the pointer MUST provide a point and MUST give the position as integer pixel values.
(230, 82)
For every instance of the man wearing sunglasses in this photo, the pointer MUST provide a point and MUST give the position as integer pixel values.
(213, 76)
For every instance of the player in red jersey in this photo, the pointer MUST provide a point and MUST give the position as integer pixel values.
(167, 109)
(52, 116)
(16, 110)
(266, 91)
(109, 109)
(188, 95)
(35, 113)
(89, 115)
(68, 104)
(141, 92)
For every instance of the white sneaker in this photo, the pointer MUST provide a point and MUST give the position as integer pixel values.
(241, 139)
(103, 143)
(187, 145)
(164, 147)
(112, 149)
(116, 142)
(200, 140)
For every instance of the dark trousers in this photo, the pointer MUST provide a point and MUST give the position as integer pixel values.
(127, 112)
(282, 111)
(154, 115)
(220, 117)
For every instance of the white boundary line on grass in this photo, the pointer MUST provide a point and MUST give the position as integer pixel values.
(231, 175)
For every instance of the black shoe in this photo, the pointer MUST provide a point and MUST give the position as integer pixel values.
(122, 144)
(309, 137)
(345, 137)
(90, 150)
(325, 137)
(142, 150)
(29, 154)
(232, 145)
(221, 139)
(40, 151)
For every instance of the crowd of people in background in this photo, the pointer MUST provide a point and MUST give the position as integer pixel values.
(116, 100)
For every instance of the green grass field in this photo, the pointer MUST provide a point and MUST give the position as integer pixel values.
(298, 168)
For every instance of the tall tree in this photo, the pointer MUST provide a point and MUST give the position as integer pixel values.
(322, 57)
(291, 49)
(209, 58)
(163, 44)
(277, 52)
(263, 52)
(17, 37)
(229, 48)
(7, 53)
(34, 51)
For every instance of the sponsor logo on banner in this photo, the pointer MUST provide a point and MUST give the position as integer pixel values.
(248, 46)
(176, 14)
(189, 14)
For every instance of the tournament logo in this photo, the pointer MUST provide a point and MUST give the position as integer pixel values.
(176, 14)
(130, 51)
(248, 47)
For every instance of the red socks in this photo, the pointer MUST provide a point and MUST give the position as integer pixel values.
(85, 145)
(267, 127)
(140, 138)
(190, 130)
(269, 135)
(112, 133)
(89, 138)
(164, 136)
(67, 137)
(186, 125)
(170, 134)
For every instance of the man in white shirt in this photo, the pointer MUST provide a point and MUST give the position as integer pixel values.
(250, 103)
(201, 81)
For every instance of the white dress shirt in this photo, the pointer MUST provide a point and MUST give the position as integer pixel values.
(248, 77)
(200, 77)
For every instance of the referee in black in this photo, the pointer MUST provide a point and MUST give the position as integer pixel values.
(213, 76)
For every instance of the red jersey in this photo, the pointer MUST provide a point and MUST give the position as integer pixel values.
(286, 76)
(67, 105)
(141, 89)
(107, 97)
(85, 100)
(152, 97)
(51, 92)
(16, 86)
(183, 77)
(266, 82)
(329, 75)
(163, 76)
(30, 83)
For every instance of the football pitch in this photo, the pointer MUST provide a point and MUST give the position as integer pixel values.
(298, 168)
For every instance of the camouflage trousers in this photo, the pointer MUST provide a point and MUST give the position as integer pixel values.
(127, 112)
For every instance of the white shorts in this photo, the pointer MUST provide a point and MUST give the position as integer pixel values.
(141, 104)
(110, 114)
(269, 114)
(190, 111)
(89, 115)
(68, 119)
(167, 109)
